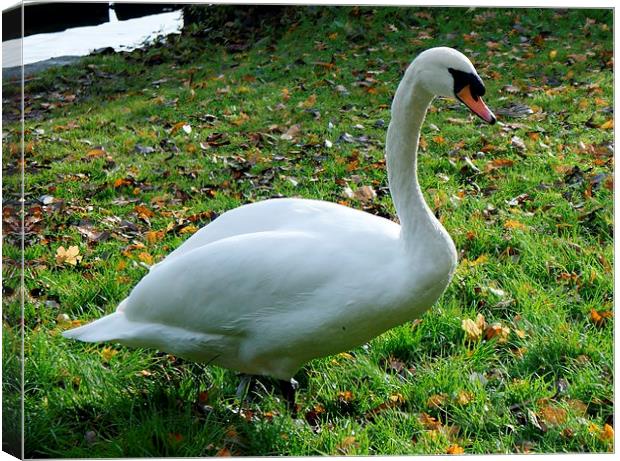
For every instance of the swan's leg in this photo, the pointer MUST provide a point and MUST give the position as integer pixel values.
(288, 389)
(243, 389)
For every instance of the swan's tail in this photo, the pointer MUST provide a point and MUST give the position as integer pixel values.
(108, 328)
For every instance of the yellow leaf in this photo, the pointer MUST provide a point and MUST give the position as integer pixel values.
(464, 397)
(69, 256)
(514, 224)
(347, 396)
(608, 125)
(346, 355)
(553, 54)
(188, 229)
(107, 353)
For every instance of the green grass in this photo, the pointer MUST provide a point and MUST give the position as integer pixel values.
(537, 266)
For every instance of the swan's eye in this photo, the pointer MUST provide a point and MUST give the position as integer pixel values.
(463, 79)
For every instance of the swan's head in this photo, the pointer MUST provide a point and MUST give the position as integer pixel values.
(447, 72)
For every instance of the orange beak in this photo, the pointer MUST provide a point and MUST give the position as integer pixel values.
(476, 105)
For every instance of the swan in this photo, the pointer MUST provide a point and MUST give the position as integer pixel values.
(270, 285)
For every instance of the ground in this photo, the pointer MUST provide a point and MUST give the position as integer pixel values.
(126, 155)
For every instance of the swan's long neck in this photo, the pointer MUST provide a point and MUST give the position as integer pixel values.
(408, 111)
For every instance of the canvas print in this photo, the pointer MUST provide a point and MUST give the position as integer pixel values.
(303, 230)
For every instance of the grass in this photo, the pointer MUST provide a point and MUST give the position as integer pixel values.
(104, 138)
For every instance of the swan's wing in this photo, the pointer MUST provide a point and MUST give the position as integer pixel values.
(279, 214)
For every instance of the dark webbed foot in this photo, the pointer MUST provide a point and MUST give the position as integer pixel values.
(248, 384)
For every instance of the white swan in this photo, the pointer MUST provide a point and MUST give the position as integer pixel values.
(271, 285)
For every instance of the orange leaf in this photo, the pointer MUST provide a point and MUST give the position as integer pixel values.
(514, 224)
(143, 212)
(224, 452)
(552, 415)
(607, 434)
(95, 153)
(455, 450)
(146, 258)
(497, 330)
(608, 125)
(154, 236)
(600, 317)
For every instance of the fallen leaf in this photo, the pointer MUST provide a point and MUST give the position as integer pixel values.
(365, 194)
(145, 257)
(69, 256)
(552, 415)
(608, 125)
(429, 422)
(455, 450)
(308, 103)
(345, 396)
(607, 434)
(436, 401)
(464, 397)
(188, 229)
(498, 163)
(291, 133)
(223, 452)
(499, 331)
(599, 318)
(474, 329)
(107, 353)
(514, 224)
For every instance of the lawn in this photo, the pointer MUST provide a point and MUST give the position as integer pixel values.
(126, 155)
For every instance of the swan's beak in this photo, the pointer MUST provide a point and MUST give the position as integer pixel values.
(476, 105)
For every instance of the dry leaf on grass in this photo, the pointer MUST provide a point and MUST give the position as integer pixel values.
(69, 256)
(474, 329)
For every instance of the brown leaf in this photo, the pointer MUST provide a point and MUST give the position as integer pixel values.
(436, 401)
(365, 194)
(552, 415)
(291, 133)
(498, 163)
(429, 422)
